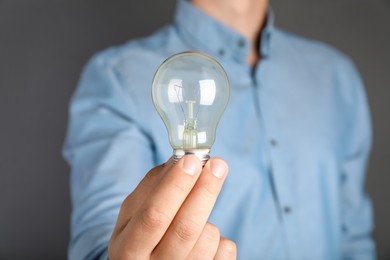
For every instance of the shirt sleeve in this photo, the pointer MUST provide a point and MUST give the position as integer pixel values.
(356, 215)
(108, 152)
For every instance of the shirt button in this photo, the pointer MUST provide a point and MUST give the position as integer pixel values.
(287, 210)
(221, 52)
(241, 43)
(273, 142)
(344, 229)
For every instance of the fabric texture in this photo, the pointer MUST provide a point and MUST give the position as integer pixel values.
(296, 135)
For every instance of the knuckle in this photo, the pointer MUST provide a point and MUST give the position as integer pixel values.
(229, 247)
(128, 199)
(186, 230)
(153, 173)
(211, 189)
(154, 218)
(150, 174)
(179, 187)
(212, 232)
(126, 202)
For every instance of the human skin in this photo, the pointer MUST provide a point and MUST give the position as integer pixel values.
(165, 217)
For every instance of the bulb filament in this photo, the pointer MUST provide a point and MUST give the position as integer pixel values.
(190, 132)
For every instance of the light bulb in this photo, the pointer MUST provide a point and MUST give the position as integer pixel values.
(190, 91)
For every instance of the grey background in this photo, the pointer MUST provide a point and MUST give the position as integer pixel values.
(45, 43)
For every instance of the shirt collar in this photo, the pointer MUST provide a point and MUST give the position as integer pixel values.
(208, 35)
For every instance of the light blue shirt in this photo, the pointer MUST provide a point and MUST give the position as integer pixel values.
(296, 135)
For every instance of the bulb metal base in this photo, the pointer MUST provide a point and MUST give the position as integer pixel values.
(202, 154)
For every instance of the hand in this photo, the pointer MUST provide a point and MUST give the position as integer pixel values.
(166, 215)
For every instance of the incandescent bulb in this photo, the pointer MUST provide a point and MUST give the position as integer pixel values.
(190, 91)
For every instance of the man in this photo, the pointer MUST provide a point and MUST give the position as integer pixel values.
(296, 136)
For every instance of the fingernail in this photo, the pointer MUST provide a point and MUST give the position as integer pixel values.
(218, 168)
(191, 164)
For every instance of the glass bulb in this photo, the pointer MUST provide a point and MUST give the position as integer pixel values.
(190, 91)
